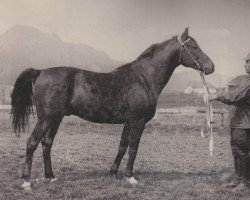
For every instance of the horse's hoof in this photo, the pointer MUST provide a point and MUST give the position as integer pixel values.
(27, 187)
(53, 180)
(131, 180)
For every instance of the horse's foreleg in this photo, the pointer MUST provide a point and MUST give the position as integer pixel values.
(47, 142)
(134, 140)
(32, 143)
(122, 150)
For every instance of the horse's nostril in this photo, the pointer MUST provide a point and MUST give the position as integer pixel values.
(209, 69)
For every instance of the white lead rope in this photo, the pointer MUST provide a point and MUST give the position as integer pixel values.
(209, 115)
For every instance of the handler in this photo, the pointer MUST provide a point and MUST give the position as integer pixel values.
(238, 96)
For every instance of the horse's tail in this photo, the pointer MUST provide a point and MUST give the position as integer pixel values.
(22, 99)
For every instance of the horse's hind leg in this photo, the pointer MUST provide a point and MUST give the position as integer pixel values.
(38, 133)
(122, 150)
(47, 142)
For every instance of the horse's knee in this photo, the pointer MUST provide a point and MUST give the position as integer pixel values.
(46, 151)
(31, 145)
(122, 149)
(133, 151)
(46, 143)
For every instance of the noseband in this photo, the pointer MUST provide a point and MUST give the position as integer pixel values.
(183, 44)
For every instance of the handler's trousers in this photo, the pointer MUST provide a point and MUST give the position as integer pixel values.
(240, 144)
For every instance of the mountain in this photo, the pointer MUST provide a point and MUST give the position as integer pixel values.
(22, 47)
(180, 80)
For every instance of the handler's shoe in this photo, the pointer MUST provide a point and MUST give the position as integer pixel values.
(241, 188)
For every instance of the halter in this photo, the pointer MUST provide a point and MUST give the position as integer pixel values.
(200, 69)
(208, 105)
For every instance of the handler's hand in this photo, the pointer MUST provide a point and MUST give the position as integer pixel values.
(212, 97)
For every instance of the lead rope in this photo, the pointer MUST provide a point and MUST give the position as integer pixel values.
(209, 115)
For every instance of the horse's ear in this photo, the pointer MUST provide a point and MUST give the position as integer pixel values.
(184, 35)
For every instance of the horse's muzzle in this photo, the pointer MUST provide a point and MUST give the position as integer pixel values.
(209, 69)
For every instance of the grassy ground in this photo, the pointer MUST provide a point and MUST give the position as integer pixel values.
(173, 162)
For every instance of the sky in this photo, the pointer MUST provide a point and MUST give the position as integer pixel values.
(125, 28)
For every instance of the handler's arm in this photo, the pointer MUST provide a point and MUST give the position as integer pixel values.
(225, 100)
(241, 97)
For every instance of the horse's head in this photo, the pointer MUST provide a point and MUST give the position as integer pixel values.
(192, 56)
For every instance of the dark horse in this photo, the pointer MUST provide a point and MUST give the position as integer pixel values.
(128, 95)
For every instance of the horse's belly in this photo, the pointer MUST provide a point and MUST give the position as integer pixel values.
(101, 116)
(114, 115)
(115, 108)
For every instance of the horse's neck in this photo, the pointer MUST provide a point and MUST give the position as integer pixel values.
(160, 68)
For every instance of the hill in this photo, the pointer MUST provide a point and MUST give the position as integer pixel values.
(22, 47)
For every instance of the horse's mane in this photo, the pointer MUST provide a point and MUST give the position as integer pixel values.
(149, 52)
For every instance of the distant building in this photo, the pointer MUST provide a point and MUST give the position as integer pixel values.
(196, 87)
(5, 94)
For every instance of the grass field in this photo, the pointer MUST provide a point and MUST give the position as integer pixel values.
(173, 162)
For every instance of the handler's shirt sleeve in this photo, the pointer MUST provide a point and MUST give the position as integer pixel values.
(238, 96)
(238, 91)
